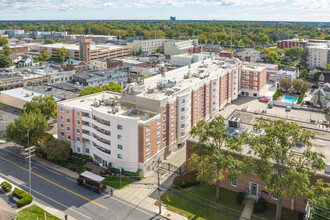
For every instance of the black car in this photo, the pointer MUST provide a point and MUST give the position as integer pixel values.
(270, 105)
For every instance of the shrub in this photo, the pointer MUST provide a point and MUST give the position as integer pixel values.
(128, 173)
(6, 186)
(277, 94)
(301, 97)
(240, 197)
(114, 170)
(139, 174)
(24, 198)
(260, 205)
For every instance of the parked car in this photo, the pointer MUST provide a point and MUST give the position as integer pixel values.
(264, 111)
(92, 181)
(264, 99)
(288, 109)
(304, 106)
(245, 108)
(270, 105)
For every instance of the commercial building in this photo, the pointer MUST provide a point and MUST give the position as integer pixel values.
(101, 77)
(318, 55)
(286, 44)
(150, 120)
(13, 32)
(100, 39)
(275, 77)
(86, 51)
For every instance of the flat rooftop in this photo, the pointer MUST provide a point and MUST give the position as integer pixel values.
(183, 78)
(76, 46)
(107, 102)
(25, 94)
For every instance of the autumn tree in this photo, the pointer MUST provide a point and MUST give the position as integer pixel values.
(26, 129)
(211, 158)
(61, 53)
(286, 84)
(285, 173)
(43, 105)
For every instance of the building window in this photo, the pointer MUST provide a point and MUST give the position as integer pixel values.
(68, 120)
(233, 182)
(78, 139)
(164, 126)
(119, 137)
(164, 118)
(78, 149)
(158, 121)
(164, 109)
(183, 125)
(158, 140)
(67, 112)
(87, 150)
(183, 109)
(148, 127)
(119, 156)
(147, 147)
(172, 105)
(164, 135)
(253, 172)
(274, 197)
(62, 118)
(172, 131)
(62, 133)
(77, 113)
(183, 117)
(69, 137)
(78, 122)
(119, 127)
(78, 130)
(61, 109)
(172, 123)
(158, 149)
(68, 128)
(183, 134)
(158, 130)
(62, 125)
(148, 137)
(172, 114)
(148, 156)
(183, 101)
(119, 146)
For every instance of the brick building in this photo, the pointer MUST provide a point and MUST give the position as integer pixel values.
(76, 65)
(18, 49)
(254, 79)
(285, 44)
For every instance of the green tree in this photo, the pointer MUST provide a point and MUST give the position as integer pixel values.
(271, 57)
(284, 173)
(211, 158)
(26, 129)
(328, 67)
(44, 55)
(113, 86)
(3, 41)
(49, 41)
(286, 84)
(294, 53)
(5, 61)
(44, 105)
(5, 51)
(61, 53)
(159, 50)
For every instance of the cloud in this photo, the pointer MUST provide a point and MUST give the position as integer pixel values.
(312, 4)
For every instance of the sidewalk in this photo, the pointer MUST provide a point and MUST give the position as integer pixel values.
(248, 209)
(57, 213)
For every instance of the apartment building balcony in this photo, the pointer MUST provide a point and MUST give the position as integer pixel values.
(98, 141)
(101, 125)
(104, 135)
(101, 149)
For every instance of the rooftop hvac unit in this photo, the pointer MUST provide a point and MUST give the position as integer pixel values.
(133, 111)
(234, 122)
(109, 102)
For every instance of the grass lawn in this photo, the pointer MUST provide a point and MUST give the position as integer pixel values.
(2, 105)
(270, 213)
(34, 212)
(191, 206)
(114, 181)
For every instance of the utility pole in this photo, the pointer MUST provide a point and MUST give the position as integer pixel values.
(159, 200)
(29, 157)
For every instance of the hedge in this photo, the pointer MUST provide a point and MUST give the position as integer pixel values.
(301, 97)
(260, 205)
(277, 94)
(24, 198)
(240, 197)
(6, 186)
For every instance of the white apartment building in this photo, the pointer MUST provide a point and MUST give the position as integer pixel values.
(318, 55)
(147, 122)
(149, 46)
(175, 47)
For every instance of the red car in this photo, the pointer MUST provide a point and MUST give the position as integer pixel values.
(264, 99)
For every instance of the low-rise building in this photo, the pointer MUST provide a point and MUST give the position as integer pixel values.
(286, 44)
(18, 49)
(287, 73)
(75, 65)
(321, 96)
(186, 59)
(26, 61)
(15, 57)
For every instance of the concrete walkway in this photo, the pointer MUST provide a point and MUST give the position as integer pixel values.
(248, 209)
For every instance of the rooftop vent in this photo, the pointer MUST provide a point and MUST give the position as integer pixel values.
(165, 83)
(133, 111)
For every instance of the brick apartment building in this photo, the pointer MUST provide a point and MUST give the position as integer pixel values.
(157, 114)
(253, 80)
(253, 186)
(18, 49)
(286, 44)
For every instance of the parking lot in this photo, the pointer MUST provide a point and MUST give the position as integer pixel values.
(8, 113)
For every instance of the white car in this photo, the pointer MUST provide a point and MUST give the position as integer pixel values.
(304, 106)
(2, 142)
(245, 108)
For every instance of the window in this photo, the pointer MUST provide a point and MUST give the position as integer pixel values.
(68, 120)
(62, 125)
(87, 150)
(148, 156)
(78, 130)
(172, 131)
(253, 172)
(233, 182)
(172, 105)
(78, 122)
(183, 117)
(69, 137)
(158, 149)
(119, 137)
(183, 101)
(183, 125)
(164, 118)
(255, 83)
(147, 147)
(62, 118)
(148, 137)
(274, 197)
(164, 109)
(164, 135)
(172, 114)
(78, 149)
(183, 134)
(255, 78)
(102, 121)
(119, 127)
(119, 146)
(172, 123)
(158, 140)
(62, 133)
(183, 109)
(164, 126)
(67, 112)
(254, 88)
(158, 121)
(68, 128)
(119, 156)
(78, 139)
(77, 113)
(61, 109)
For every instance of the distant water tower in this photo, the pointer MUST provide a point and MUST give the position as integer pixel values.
(172, 18)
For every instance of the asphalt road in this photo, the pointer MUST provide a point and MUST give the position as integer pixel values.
(62, 192)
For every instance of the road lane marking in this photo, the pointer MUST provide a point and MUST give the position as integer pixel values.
(62, 187)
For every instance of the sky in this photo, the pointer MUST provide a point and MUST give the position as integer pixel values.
(251, 10)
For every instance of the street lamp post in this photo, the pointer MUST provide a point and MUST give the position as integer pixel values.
(29, 150)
